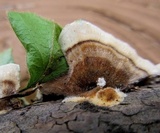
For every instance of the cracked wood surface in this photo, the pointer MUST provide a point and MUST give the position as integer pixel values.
(139, 113)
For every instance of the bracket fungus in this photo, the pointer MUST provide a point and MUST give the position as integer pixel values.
(91, 54)
(9, 79)
(9, 86)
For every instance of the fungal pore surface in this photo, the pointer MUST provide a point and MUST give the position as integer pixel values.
(98, 64)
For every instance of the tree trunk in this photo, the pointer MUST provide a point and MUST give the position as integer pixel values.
(139, 113)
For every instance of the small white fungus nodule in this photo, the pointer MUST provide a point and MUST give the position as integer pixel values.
(101, 82)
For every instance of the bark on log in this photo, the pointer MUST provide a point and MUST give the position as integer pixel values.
(139, 113)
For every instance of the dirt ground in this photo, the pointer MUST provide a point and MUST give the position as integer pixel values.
(134, 21)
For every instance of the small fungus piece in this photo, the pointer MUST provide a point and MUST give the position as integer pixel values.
(101, 82)
(103, 97)
(108, 97)
(9, 79)
(34, 97)
(77, 99)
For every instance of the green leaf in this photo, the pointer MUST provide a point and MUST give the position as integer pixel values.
(39, 37)
(6, 57)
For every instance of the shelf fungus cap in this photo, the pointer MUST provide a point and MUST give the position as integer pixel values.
(92, 53)
(97, 59)
(9, 79)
